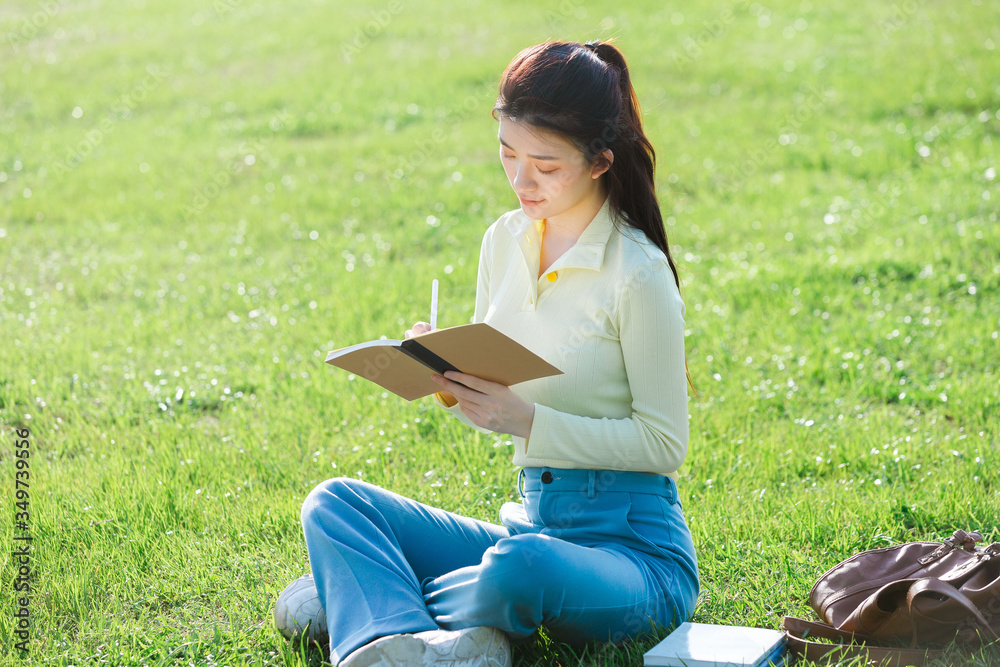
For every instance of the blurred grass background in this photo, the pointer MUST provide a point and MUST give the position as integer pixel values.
(199, 200)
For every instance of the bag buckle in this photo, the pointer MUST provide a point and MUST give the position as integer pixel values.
(964, 540)
(991, 551)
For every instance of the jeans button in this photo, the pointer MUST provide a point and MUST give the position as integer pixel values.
(546, 477)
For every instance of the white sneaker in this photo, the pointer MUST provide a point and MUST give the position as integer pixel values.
(471, 647)
(298, 612)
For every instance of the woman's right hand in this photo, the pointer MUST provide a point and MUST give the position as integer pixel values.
(418, 328)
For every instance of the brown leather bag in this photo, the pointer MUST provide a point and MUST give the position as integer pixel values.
(921, 593)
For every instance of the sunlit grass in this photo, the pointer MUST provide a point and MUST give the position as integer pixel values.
(198, 201)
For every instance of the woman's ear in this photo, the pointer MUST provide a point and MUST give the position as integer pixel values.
(602, 163)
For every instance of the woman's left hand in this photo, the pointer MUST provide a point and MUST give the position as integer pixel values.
(489, 405)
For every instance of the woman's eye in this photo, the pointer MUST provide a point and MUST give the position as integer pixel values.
(506, 157)
(542, 171)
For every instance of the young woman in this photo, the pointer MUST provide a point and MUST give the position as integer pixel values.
(581, 274)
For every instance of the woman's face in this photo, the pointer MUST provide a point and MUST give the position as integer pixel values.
(548, 173)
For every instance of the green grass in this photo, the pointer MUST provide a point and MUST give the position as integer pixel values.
(829, 177)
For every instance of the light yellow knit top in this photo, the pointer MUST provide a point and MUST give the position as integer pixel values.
(609, 315)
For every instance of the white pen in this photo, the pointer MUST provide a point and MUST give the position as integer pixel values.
(434, 304)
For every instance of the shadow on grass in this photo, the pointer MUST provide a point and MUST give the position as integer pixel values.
(536, 651)
(541, 651)
(303, 654)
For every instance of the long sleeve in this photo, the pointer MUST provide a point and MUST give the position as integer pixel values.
(461, 416)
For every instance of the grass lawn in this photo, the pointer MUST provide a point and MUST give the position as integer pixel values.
(199, 200)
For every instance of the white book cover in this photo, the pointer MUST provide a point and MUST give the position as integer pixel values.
(705, 645)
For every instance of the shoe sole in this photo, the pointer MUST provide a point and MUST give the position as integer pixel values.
(481, 647)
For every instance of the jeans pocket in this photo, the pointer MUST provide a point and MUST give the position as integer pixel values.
(650, 518)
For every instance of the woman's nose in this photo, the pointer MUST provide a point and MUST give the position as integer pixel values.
(522, 180)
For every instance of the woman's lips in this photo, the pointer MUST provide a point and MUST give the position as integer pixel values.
(530, 202)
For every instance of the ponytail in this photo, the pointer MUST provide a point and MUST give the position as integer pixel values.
(631, 184)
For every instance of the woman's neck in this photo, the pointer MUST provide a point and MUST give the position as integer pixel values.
(560, 233)
(569, 225)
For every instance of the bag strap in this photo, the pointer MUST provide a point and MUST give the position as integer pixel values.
(797, 629)
(803, 628)
(932, 585)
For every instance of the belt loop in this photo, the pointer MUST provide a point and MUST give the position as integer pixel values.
(520, 482)
(591, 477)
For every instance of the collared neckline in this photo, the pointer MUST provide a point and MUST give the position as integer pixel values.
(586, 253)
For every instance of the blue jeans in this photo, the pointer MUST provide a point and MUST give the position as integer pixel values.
(591, 555)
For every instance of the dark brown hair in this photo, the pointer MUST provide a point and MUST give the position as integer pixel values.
(583, 93)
